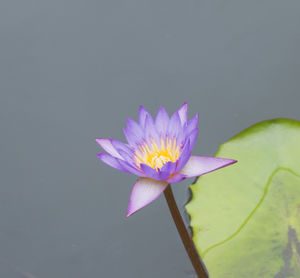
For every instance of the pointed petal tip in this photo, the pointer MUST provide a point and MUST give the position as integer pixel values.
(142, 107)
(182, 111)
(129, 212)
(99, 155)
(142, 111)
(99, 140)
(184, 105)
(163, 110)
(129, 120)
(200, 165)
(106, 144)
(103, 156)
(228, 161)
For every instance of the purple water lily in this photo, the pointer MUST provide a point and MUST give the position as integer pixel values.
(159, 152)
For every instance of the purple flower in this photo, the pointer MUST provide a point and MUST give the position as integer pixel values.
(159, 152)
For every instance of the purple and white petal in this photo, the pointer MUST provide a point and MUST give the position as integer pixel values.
(174, 126)
(133, 132)
(149, 171)
(122, 146)
(162, 121)
(143, 113)
(144, 192)
(193, 137)
(150, 131)
(184, 156)
(200, 165)
(162, 174)
(129, 158)
(107, 145)
(131, 168)
(111, 161)
(167, 170)
(191, 124)
(183, 113)
(175, 178)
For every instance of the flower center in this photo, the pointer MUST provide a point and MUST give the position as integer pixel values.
(159, 161)
(155, 155)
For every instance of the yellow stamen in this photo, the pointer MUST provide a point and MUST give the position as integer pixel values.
(156, 156)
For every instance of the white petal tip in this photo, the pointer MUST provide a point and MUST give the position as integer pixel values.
(129, 213)
(200, 165)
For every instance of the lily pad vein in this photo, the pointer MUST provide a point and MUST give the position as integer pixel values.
(252, 212)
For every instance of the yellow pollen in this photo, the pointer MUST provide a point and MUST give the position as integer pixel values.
(155, 155)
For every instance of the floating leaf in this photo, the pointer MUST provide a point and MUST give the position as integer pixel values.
(246, 218)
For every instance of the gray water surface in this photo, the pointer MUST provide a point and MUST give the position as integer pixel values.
(71, 71)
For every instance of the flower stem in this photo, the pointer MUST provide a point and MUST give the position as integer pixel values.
(185, 237)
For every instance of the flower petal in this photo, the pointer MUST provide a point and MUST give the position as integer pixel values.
(143, 193)
(150, 131)
(191, 124)
(183, 113)
(167, 170)
(175, 178)
(162, 174)
(193, 137)
(149, 171)
(162, 121)
(111, 161)
(107, 145)
(174, 127)
(200, 165)
(184, 156)
(127, 157)
(133, 132)
(131, 168)
(143, 113)
(120, 146)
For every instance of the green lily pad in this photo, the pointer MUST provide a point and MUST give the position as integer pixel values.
(246, 218)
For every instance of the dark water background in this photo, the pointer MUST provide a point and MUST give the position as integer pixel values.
(73, 70)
